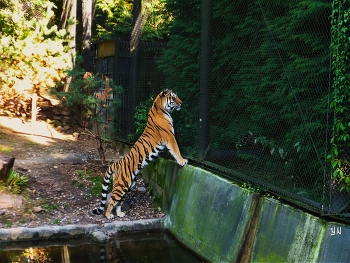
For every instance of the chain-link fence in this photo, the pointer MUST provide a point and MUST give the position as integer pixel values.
(32, 11)
(255, 80)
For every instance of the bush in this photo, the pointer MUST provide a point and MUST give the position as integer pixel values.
(17, 182)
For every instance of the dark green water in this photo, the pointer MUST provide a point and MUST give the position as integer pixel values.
(152, 247)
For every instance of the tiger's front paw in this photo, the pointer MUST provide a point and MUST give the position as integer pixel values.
(183, 162)
(119, 211)
(121, 214)
(111, 216)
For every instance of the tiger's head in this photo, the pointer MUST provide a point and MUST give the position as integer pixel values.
(168, 100)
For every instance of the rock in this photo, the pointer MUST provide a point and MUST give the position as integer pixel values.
(141, 189)
(65, 112)
(99, 236)
(37, 209)
(54, 123)
(10, 201)
(66, 128)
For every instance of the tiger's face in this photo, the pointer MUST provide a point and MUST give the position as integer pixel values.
(171, 101)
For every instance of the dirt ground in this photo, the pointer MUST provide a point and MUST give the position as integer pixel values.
(61, 168)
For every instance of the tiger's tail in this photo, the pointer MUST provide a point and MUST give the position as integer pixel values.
(107, 178)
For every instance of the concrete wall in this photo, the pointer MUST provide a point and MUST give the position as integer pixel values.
(225, 223)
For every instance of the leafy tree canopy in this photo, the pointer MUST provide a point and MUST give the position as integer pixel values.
(32, 52)
(114, 20)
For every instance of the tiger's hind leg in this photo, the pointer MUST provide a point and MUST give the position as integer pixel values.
(119, 194)
(118, 203)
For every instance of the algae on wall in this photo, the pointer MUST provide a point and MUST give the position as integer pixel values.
(211, 216)
(206, 212)
(154, 176)
(288, 234)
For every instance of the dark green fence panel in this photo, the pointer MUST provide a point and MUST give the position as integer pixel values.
(112, 59)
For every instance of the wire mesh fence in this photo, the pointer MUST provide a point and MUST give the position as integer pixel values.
(32, 11)
(269, 90)
(113, 60)
(255, 79)
(274, 90)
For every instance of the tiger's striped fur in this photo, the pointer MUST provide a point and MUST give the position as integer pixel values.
(157, 136)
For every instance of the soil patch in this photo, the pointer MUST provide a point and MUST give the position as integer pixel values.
(64, 171)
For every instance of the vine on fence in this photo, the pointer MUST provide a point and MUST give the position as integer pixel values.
(340, 143)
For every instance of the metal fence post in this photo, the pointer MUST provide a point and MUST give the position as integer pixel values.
(134, 46)
(204, 136)
(116, 80)
(116, 62)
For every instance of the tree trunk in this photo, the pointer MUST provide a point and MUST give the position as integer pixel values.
(34, 109)
(87, 20)
(70, 12)
(98, 140)
(140, 15)
(6, 164)
(65, 255)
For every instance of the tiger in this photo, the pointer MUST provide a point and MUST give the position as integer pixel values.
(157, 136)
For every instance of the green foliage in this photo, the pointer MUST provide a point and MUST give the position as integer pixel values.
(96, 180)
(269, 75)
(82, 92)
(179, 63)
(141, 116)
(32, 53)
(339, 154)
(56, 221)
(114, 20)
(274, 71)
(5, 149)
(49, 207)
(251, 188)
(17, 182)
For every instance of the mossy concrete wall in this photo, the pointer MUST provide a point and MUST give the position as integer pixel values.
(223, 222)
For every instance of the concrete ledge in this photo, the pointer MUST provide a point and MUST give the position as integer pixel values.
(75, 231)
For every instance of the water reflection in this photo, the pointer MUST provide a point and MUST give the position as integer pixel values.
(152, 247)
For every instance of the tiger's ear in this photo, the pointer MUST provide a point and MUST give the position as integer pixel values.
(165, 92)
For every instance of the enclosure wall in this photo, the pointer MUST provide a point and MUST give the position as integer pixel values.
(226, 223)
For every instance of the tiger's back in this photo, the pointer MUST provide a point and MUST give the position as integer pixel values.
(157, 136)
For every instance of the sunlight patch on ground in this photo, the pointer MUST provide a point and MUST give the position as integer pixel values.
(41, 132)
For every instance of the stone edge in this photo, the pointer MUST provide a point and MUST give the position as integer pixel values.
(97, 232)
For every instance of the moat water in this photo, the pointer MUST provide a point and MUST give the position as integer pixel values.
(151, 247)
